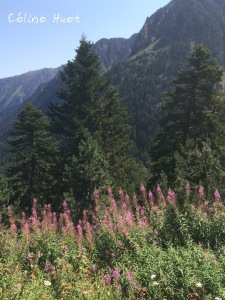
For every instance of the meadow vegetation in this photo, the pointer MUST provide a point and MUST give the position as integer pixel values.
(144, 246)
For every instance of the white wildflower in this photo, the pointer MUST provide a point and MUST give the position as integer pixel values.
(153, 276)
(199, 285)
(47, 283)
(155, 283)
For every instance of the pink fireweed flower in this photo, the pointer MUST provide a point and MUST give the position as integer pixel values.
(134, 197)
(84, 216)
(31, 219)
(13, 229)
(129, 217)
(26, 229)
(120, 244)
(110, 193)
(151, 198)
(120, 221)
(150, 195)
(96, 193)
(130, 277)
(127, 197)
(213, 256)
(23, 220)
(119, 288)
(34, 202)
(65, 206)
(113, 207)
(143, 191)
(116, 274)
(144, 222)
(200, 192)
(217, 195)
(54, 218)
(130, 273)
(79, 234)
(171, 194)
(160, 196)
(142, 211)
(121, 193)
(107, 278)
(155, 232)
(10, 215)
(124, 206)
(94, 268)
(89, 235)
(158, 189)
(187, 186)
(142, 188)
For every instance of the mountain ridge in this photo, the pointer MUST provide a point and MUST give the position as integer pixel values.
(143, 66)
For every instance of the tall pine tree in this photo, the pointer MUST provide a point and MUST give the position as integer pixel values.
(33, 153)
(194, 111)
(91, 106)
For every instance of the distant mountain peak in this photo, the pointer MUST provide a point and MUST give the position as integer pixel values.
(183, 20)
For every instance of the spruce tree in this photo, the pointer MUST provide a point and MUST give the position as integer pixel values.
(33, 153)
(89, 104)
(193, 111)
(85, 172)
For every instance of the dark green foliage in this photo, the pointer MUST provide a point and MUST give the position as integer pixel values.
(33, 153)
(91, 125)
(141, 91)
(193, 111)
(200, 165)
(87, 171)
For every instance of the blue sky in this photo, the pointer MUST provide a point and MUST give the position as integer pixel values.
(43, 42)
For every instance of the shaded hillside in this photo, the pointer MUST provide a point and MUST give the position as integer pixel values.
(159, 51)
(15, 90)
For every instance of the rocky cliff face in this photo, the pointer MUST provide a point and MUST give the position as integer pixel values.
(113, 51)
(182, 22)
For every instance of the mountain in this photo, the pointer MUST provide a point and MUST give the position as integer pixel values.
(160, 50)
(40, 87)
(143, 66)
(113, 51)
(180, 22)
(15, 90)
